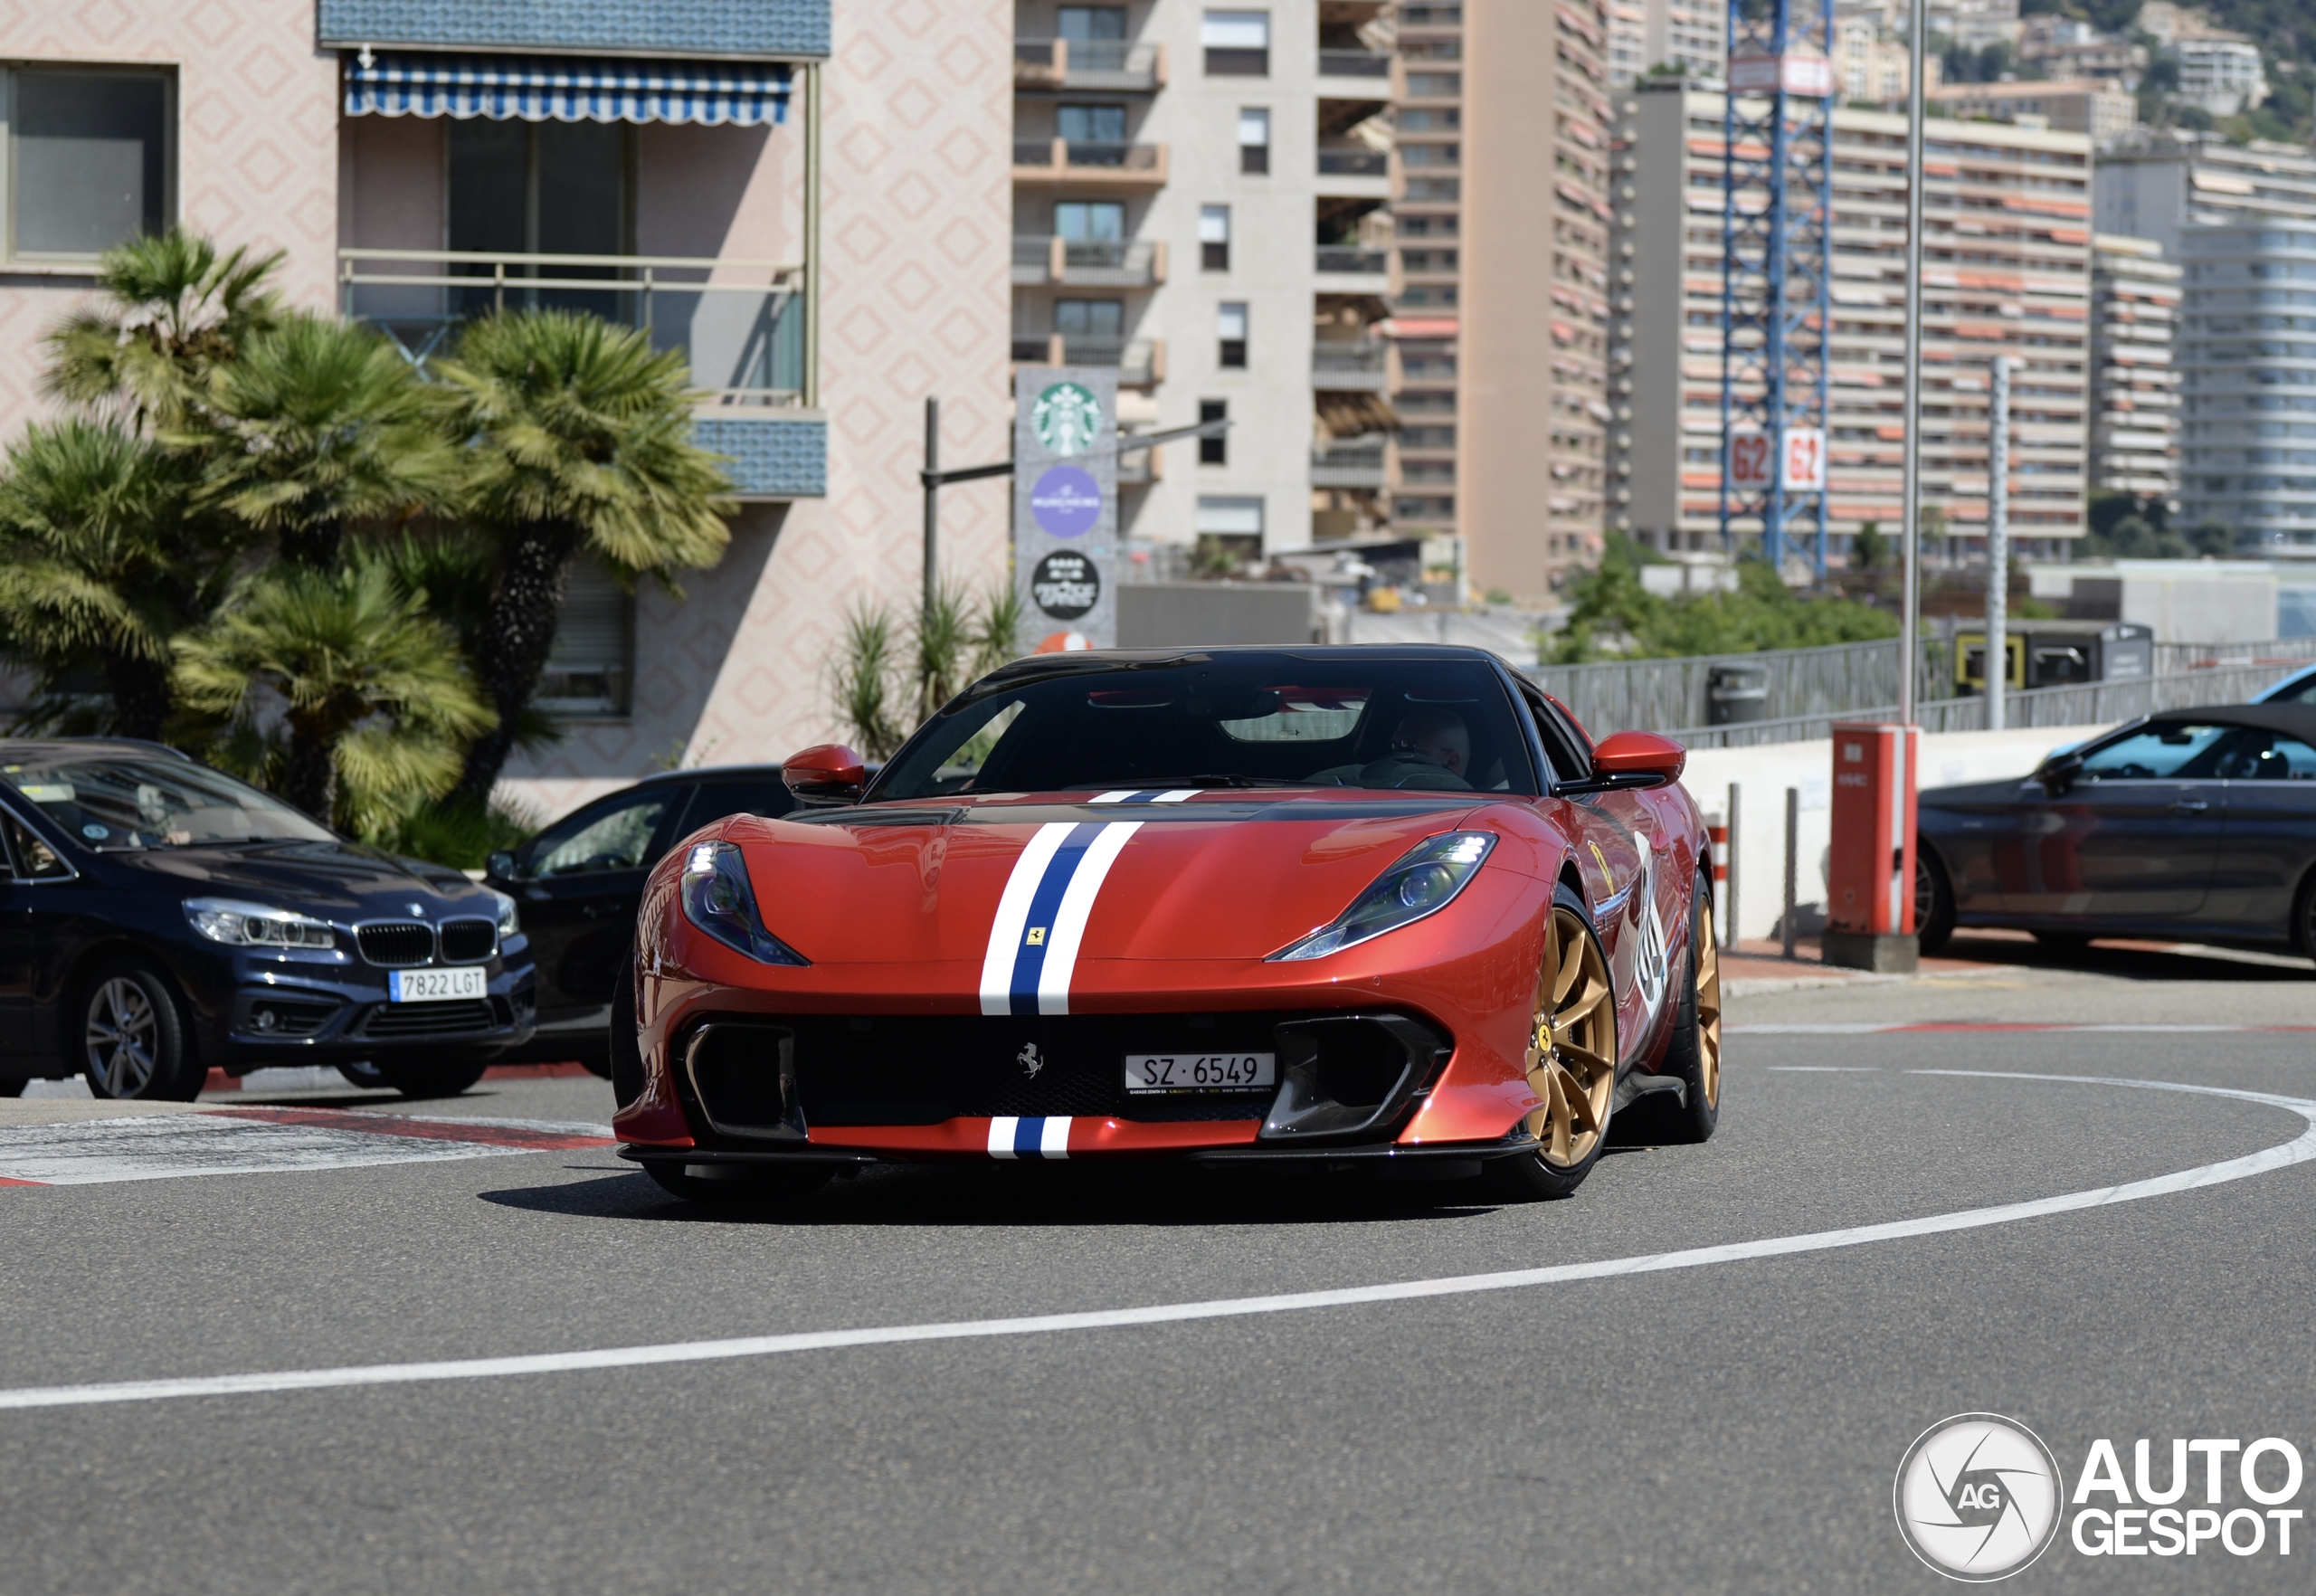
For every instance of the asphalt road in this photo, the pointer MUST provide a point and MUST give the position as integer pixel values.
(1733, 1425)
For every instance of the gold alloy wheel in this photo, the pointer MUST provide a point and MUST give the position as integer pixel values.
(1708, 1004)
(1572, 1045)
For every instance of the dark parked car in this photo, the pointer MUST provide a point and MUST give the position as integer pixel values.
(163, 918)
(2192, 824)
(2299, 687)
(581, 880)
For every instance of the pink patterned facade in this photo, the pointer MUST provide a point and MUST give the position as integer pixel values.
(913, 302)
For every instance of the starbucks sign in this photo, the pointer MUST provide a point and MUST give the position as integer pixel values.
(1065, 501)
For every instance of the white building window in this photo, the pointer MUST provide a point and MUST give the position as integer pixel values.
(591, 669)
(1231, 332)
(1214, 238)
(1254, 140)
(91, 157)
(1230, 517)
(1236, 43)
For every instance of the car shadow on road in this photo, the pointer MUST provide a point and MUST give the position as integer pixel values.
(2133, 959)
(948, 1195)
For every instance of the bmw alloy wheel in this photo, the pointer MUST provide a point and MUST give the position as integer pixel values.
(122, 1038)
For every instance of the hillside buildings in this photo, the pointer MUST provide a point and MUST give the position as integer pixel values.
(2135, 296)
(2007, 270)
(2103, 111)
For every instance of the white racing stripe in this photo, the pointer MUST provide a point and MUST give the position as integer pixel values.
(1013, 917)
(1069, 921)
(2300, 1150)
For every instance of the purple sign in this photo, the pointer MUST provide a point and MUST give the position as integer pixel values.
(1066, 501)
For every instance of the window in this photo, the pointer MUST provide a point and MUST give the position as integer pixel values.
(2169, 751)
(33, 859)
(1214, 238)
(1236, 43)
(1230, 329)
(1230, 517)
(591, 669)
(1090, 318)
(549, 189)
(1214, 449)
(615, 836)
(91, 161)
(1090, 221)
(1254, 140)
(1082, 24)
(1095, 134)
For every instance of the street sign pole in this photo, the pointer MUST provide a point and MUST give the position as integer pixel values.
(1065, 503)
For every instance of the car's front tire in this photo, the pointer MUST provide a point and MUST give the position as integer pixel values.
(1571, 1062)
(1933, 900)
(132, 1038)
(753, 1187)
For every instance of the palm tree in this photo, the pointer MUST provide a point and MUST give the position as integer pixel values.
(320, 424)
(581, 438)
(378, 706)
(102, 563)
(174, 310)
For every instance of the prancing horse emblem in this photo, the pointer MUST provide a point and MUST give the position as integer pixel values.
(1029, 1060)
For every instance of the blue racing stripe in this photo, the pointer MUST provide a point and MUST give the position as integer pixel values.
(1045, 905)
(1028, 1136)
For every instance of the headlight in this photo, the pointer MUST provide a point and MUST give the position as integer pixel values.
(509, 922)
(256, 925)
(718, 899)
(1425, 881)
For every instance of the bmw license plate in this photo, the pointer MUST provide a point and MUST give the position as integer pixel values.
(1200, 1072)
(437, 986)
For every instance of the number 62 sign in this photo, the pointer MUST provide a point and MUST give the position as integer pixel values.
(1800, 468)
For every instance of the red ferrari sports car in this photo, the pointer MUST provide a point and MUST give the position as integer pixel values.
(1359, 906)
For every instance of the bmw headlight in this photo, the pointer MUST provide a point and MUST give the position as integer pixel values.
(1424, 882)
(256, 925)
(509, 922)
(718, 899)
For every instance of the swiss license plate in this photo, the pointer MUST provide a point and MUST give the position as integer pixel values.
(1200, 1072)
(437, 986)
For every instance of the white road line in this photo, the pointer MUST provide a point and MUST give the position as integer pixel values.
(2300, 1150)
(1824, 1070)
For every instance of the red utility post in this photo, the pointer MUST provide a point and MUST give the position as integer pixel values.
(1870, 876)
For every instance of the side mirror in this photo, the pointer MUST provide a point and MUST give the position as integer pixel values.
(2058, 771)
(825, 775)
(499, 866)
(1630, 754)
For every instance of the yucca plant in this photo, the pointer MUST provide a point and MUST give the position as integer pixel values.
(864, 681)
(377, 709)
(579, 438)
(321, 424)
(104, 562)
(175, 310)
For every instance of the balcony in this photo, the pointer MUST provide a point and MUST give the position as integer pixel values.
(1365, 64)
(1111, 66)
(1347, 269)
(740, 324)
(1354, 161)
(1352, 366)
(1090, 164)
(1141, 363)
(1089, 262)
(1356, 462)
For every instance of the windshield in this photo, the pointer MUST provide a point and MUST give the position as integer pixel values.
(126, 803)
(1259, 722)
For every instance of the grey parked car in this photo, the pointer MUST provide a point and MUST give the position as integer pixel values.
(2192, 824)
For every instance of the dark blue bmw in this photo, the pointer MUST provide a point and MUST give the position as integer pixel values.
(163, 918)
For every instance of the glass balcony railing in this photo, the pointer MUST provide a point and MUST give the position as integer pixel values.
(1349, 258)
(739, 323)
(1361, 162)
(1090, 262)
(1354, 63)
(1114, 64)
(1348, 358)
(1087, 158)
(1140, 363)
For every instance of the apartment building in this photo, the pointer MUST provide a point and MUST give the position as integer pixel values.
(2005, 271)
(2223, 76)
(2103, 111)
(2161, 182)
(2247, 353)
(1871, 66)
(2135, 300)
(1201, 199)
(1690, 34)
(808, 199)
(1502, 224)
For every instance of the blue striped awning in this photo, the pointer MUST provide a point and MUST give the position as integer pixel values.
(566, 89)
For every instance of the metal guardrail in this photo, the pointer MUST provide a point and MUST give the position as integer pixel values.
(2086, 704)
(1660, 695)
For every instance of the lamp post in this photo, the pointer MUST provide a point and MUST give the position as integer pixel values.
(1910, 535)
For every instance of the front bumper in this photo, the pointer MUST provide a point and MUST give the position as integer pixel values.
(1441, 1160)
(260, 1009)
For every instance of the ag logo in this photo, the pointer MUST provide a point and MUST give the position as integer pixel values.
(1068, 418)
(1065, 586)
(1978, 1497)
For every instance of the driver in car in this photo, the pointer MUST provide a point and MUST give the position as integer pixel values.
(1430, 749)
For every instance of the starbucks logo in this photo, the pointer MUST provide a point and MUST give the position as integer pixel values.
(1068, 418)
(1065, 585)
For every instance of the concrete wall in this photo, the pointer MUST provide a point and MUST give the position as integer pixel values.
(1762, 775)
(2185, 600)
(1170, 615)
